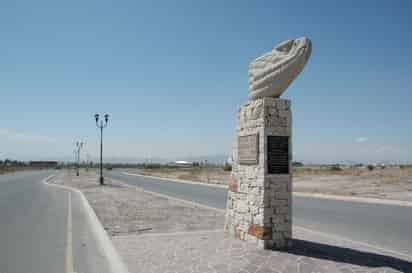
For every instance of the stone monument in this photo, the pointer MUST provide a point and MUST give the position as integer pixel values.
(259, 203)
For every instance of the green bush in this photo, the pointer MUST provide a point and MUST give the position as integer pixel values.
(371, 167)
(297, 164)
(335, 168)
(227, 167)
(152, 166)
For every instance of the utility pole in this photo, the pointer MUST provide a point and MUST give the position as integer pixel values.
(79, 146)
(101, 126)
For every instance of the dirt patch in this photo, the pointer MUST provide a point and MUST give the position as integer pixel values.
(389, 183)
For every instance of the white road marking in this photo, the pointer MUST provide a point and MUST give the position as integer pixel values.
(69, 243)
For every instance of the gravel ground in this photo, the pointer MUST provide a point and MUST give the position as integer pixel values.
(125, 209)
(389, 183)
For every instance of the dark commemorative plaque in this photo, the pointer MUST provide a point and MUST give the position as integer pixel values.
(248, 149)
(278, 155)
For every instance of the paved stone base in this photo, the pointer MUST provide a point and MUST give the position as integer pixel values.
(213, 251)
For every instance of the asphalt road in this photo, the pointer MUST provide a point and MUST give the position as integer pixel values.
(44, 229)
(384, 226)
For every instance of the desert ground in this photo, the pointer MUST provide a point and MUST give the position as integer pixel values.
(390, 182)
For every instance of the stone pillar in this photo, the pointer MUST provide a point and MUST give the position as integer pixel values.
(259, 204)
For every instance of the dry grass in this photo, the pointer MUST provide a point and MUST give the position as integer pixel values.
(4, 170)
(389, 183)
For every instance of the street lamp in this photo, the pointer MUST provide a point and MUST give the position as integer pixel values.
(79, 145)
(101, 126)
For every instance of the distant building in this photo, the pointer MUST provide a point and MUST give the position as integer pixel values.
(43, 164)
(183, 163)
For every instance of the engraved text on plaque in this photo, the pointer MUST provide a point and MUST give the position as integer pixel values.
(278, 154)
(248, 149)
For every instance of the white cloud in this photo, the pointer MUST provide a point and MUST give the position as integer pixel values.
(361, 139)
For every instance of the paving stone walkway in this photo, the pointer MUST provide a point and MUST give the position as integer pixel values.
(214, 251)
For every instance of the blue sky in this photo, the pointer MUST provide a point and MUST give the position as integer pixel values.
(172, 75)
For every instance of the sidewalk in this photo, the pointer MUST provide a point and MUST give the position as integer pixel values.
(157, 234)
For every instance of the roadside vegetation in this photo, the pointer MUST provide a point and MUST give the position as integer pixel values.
(8, 165)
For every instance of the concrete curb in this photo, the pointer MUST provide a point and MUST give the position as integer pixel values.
(367, 200)
(191, 203)
(115, 261)
(177, 180)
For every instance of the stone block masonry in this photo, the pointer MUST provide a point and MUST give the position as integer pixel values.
(259, 201)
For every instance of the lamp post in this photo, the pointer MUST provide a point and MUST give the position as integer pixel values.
(88, 161)
(79, 145)
(101, 126)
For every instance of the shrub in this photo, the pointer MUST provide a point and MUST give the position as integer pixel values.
(297, 164)
(371, 167)
(335, 168)
(152, 166)
(227, 167)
